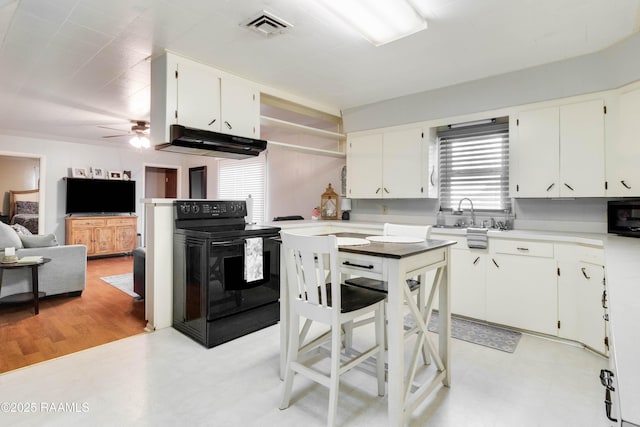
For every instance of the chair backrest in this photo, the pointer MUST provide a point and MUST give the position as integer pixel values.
(420, 231)
(312, 262)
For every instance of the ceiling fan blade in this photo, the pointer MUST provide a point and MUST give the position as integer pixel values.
(116, 129)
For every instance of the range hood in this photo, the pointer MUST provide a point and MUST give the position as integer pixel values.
(215, 144)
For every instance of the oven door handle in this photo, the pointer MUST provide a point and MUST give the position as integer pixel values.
(226, 243)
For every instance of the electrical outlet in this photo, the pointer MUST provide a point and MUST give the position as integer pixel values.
(385, 209)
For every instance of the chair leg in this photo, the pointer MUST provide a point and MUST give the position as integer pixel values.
(334, 381)
(292, 356)
(380, 342)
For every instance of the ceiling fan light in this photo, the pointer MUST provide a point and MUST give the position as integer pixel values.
(144, 142)
(136, 141)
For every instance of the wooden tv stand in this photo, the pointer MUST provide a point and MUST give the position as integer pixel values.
(102, 235)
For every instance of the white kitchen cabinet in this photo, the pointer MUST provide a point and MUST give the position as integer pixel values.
(364, 166)
(582, 145)
(580, 294)
(560, 151)
(391, 164)
(623, 151)
(538, 157)
(468, 284)
(197, 100)
(194, 95)
(240, 108)
(521, 284)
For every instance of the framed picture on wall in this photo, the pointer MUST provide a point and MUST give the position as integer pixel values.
(115, 174)
(79, 173)
(98, 173)
(126, 175)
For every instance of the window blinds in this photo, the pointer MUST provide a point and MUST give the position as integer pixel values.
(474, 163)
(239, 178)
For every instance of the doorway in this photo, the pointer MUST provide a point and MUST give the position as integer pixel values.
(160, 182)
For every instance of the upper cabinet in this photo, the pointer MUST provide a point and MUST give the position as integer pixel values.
(194, 95)
(623, 151)
(390, 164)
(559, 151)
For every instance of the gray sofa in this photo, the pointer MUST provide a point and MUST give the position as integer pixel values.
(65, 274)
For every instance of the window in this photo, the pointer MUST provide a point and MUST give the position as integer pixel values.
(474, 163)
(237, 179)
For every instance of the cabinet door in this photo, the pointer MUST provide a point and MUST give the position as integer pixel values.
(364, 166)
(582, 149)
(82, 236)
(104, 239)
(522, 292)
(198, 96)
(402, 164)
(623, 152)
(590, 326)
(240, 108)
(125, 238)
(538, 153)
(468, 285)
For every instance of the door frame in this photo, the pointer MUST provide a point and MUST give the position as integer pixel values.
(42, 183)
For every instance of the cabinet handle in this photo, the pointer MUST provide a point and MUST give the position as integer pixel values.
(475, 261)
(568, 186)
(212, 122)
(606, 379)
(350, 264)
(495, 263)
(584, 273)
(607, 406)
(625, 185)
(433, 170)
(523, 249)
(378, 190)
(228, 125)
(606, 317)
(551, 186)
(385, 190)
(604, 299)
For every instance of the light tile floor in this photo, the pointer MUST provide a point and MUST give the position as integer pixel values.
(165, 379)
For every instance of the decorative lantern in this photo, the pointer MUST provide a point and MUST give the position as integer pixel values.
(329, 204)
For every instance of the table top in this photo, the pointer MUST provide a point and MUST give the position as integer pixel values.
(392, 250)
(24, 264)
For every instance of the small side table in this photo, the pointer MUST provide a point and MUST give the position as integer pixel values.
(26, 296)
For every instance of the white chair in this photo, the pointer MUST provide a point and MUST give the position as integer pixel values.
(419, 231)
(308, 259)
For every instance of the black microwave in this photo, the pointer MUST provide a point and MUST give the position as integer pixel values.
(623, 217)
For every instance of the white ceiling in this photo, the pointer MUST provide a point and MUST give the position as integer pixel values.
(68, 66)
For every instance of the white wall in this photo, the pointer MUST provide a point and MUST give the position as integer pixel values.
(17, 173)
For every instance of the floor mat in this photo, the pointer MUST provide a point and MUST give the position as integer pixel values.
(474, 332)
(124, 282)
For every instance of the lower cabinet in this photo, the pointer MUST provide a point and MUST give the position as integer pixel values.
(581, 292)
(522, 292)
(102, 235)
(468, 285)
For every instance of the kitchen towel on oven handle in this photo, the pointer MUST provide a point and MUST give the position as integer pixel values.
(253, 262)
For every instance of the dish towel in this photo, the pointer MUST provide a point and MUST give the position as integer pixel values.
(253, 269)
(477, 238)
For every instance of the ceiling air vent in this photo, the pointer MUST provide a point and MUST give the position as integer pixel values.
(267, 24)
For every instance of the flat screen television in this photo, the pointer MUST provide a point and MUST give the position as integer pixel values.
(100, 196)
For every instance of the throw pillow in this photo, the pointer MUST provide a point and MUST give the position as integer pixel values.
(27, 207)
(21, 229)
(8, 237)
(38, 240)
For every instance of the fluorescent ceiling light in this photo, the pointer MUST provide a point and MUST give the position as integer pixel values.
(379, 21)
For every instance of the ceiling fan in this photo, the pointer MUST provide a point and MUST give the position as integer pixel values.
(139, 134)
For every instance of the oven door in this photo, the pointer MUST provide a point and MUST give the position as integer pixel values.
(228, 292)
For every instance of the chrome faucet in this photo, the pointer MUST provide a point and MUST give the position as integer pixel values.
(473, 215)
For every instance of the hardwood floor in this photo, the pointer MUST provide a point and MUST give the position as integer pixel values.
(70, 324)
